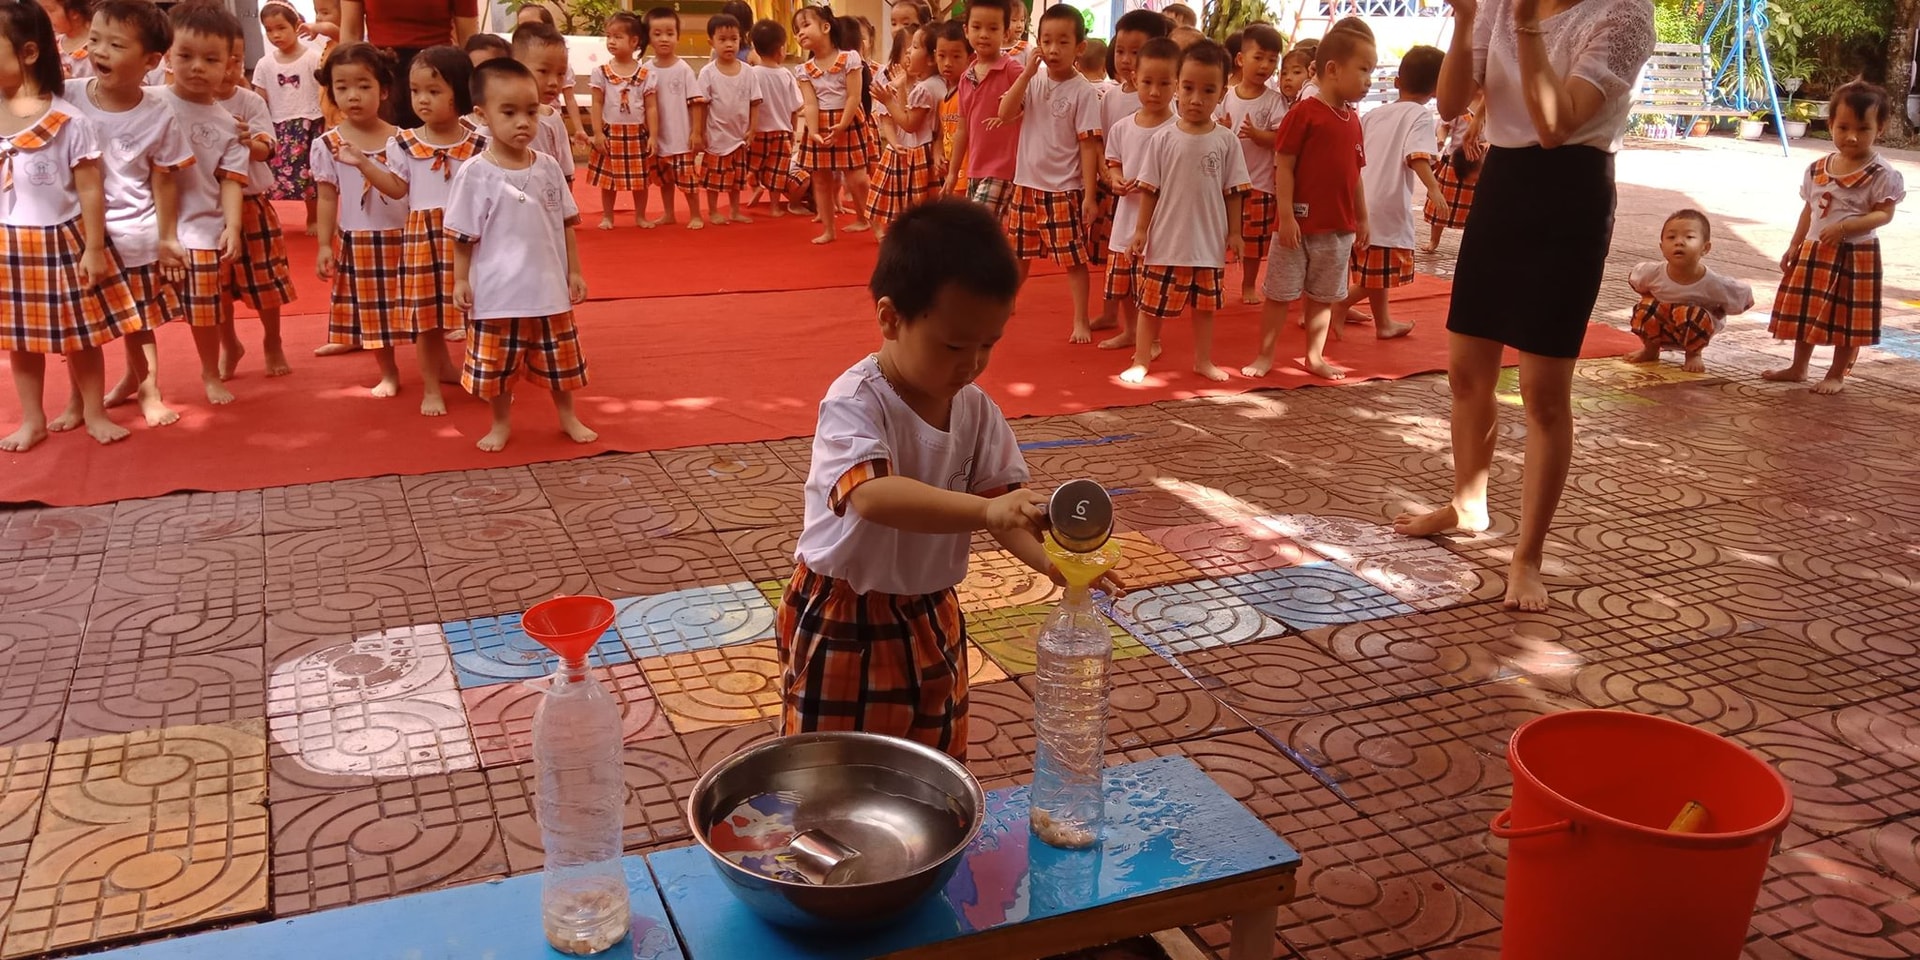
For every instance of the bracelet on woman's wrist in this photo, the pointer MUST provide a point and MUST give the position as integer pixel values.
(1529, 29)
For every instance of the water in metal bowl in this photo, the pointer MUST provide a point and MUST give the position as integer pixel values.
(835, 831)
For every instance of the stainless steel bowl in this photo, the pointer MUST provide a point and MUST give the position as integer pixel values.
(906, 811)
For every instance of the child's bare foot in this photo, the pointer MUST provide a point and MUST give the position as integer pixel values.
(824, 238)
(1250, 295)
(217, 392)
(1211, 372)
(1260, 367)
(576, 431)
(778, 211)
(606, 222)
(156, 412)
(644, 225)
(433, 405)
(1786, 375)
(277, 365)
(1134, 374)
(859, 226)
(740, 218)
(456, 334)
(121, 392)
(1831, 384)
(1429, 248)
(1325, 370)
(333, 349)
(1694, 363)
(797, 208)
(104, 430)
(696, 223)
(1443, 520)
(23, 439)
(1525, 590)
(1355, 316)
(387, 387)
(1104, 323)
(1118, 341)
(230, 357)
(1082, 332)
(1647, 353)
(312, 231)
(1392, 329)
(68, 419)
(496, 439)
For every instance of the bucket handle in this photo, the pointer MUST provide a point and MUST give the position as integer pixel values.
(1502, 827)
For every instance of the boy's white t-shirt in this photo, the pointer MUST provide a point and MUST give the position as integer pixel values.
(672, 88)
(1056, 116)
(39, 190)
(926, 95)
(517, 222)
(133, 143)
(428, 168)
(830, 85)
(1192, 173)
(551, 139)
(1266, 111)
(867, 431)
(246, 105)
(360, 206)
(730, 105)
(1393, 136)
(779, 99)
(1834, 198)
(623, 99)
(217, 155)
(1127, 147)
(1719, 295)
(1118, 105)
(292, 86)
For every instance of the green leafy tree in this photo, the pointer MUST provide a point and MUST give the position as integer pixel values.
(1223, 17)
(582, 18)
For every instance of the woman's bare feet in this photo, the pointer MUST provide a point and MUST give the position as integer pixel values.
(23, 439)
(1648, 353)
(1786, 375)
(333, 349)
(1211, 372)
(1443, 520)
(387, 387)
(1525, 590)
(496, 439)
(104, 430)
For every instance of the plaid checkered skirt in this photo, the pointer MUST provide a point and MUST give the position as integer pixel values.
(1042, 223)
(369, 308)
(154, 297)
(725, 172)
(852, 149)
(260, 277)
(1831, 295)
(1380, 268)
(1100, 231)
(680, 170)
(426, 271)
(881, 663)
(1258, 215)
(44, 308)
(202, 293)
(1170, 291)
(545, 350)
(623, 165)
(1673, 324)
(906, 179)
(1457, 190)
(1123, 275)
(770, 163)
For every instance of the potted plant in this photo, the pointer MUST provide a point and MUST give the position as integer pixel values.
(1754, 125)
(1701, 127)
(1799, 116)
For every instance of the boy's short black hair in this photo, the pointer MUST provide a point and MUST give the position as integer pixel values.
(1264, 36)
(719, 22)
(1004, 6)
(531, 36)
(540, 14)
(1180, 14)
(1232, 45)
(1067, 13)
(1207, 54)
(489, 41)
(1161, 48)
(207, 18)
(1137, 21)
(1689, 213)
(628, 22)
(502, 68)
(455, 67)
(953, 30)
(943, 243)
(1353, 25)
(1094, 55)
(767, 37)
(662, 13)
(1420, 70)
(1339, 46)
(150, 26)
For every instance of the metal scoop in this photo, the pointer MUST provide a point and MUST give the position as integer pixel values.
(821, 860)
(1081, 514)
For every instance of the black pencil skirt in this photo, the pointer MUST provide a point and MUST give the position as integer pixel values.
(1535, 248)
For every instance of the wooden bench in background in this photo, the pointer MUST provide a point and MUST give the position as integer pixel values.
(1678, 82)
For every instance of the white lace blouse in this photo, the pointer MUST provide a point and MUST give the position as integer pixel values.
(1604, 42)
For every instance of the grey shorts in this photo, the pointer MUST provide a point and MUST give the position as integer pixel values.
(992, 192)
(1316, 268)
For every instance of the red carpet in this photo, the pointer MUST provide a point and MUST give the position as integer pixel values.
(667, 372)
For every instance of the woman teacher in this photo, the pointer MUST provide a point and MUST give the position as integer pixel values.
(1559, 79)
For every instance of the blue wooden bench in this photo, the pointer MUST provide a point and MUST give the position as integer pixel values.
(1178, 851)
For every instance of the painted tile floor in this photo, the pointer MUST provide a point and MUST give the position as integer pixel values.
(223, 708)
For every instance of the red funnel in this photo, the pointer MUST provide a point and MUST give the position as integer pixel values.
(568, 625)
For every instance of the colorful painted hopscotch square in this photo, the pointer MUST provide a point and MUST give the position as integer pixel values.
(699, 618)
(1315, 595)
(1007, 635)
(489, 650)
(717, 687)
(1184, 617)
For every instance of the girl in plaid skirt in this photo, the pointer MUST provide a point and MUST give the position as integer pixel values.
(419, 168)
(907, 164)
(619, 114)
(368, 301)
(1831, 291)
(834, 144)
(1457, 173)
(65, 292)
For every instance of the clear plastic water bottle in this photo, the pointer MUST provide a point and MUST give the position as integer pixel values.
(580, 799)
(1075, 654)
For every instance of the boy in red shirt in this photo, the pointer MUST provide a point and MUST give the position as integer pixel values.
(1321, 204)
(988, 151)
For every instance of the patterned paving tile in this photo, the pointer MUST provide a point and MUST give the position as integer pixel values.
(382, 841)
(1000, 740)
(1314, 595)
(488, 650)
(216, 769)
(47, 583)
(737, 486)
(1620, 620)
(717, 686)
(1007, 635)
(1166, 504)
(1452, 837)
(54, 532)
(189, 622)
(493, 563)
(1442, 649)
(186, 517)
(1269, 680)
(1152, 702)
(225, 575)
(714, 744)
(1667, 687)
(765, 553)
(348, 582)
(1889, 727)
(1183, 617)
(472, 492)
(369, 502)
(1795, 678)
(996, 578)
(421, 733)
(1892, 849)
(1426, 576)
(326, 672)
(1336, 537)
(38, 651)
(659, 777)
(1836, 788)
(502, 715)
(126, 692)
(644, 566)
(23, 780)
(605, 500)
(1230, 547)
(1825, 901)
(694, 619)
(1145, 563)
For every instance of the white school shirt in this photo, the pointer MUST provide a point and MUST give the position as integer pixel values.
(673, 88)
(1118, 105)
(37, 189)
(830, 84)
(1056, 116)
(1834, 198)
(1604, 42)
(1719, 295)
(361, 206)
(217, 156)
(551, 139)
(1394, 135)
(1266, 111)
(862, 421)
(623, 99)
(1103, 87)
(730, 103)
(246, 105)
(779, 99)
(133, 143)
(292, 86)
(1126, 148)
(428, 168)
(926, 94)
(1192, 173)
(517, 222)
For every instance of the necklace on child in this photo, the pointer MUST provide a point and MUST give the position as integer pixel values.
(506, 176)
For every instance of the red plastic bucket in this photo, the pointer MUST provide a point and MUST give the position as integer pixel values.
(1593, 872)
